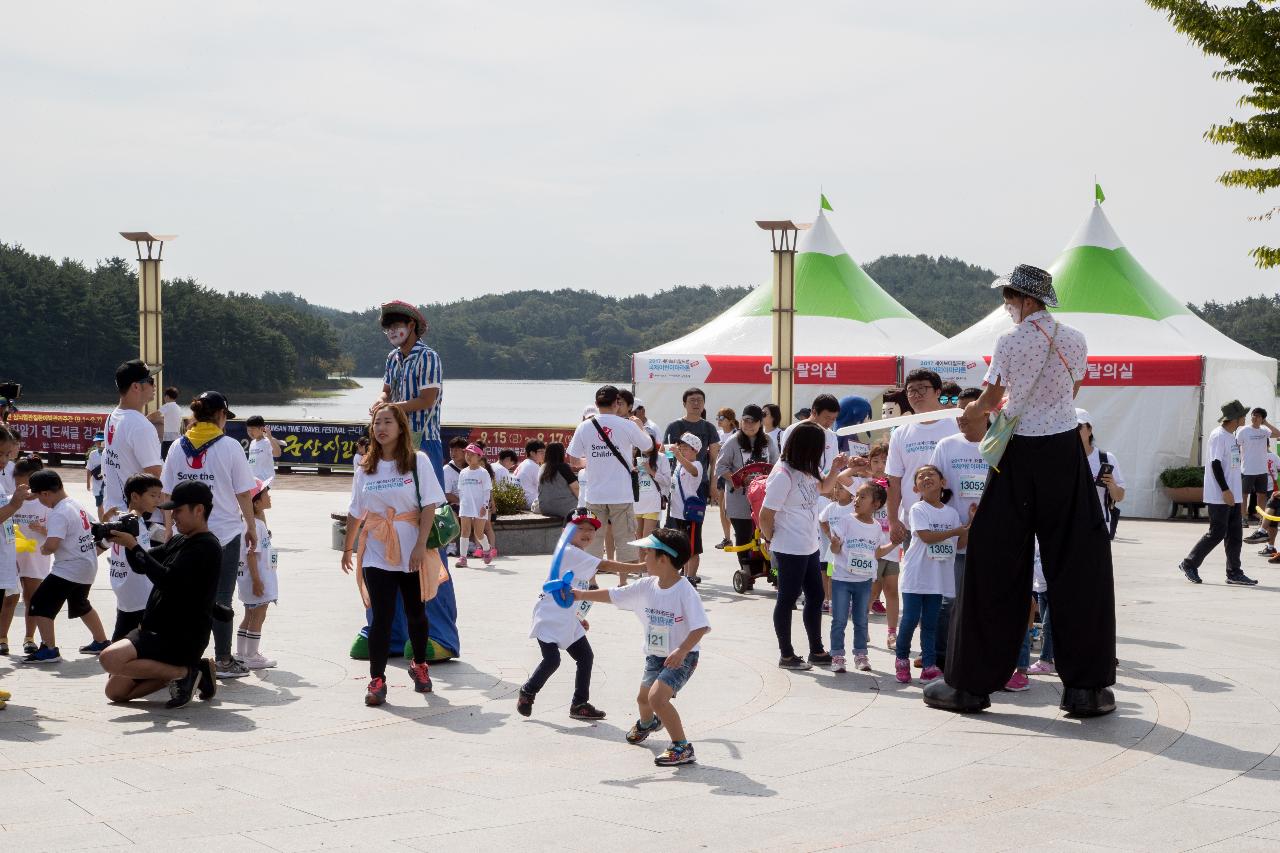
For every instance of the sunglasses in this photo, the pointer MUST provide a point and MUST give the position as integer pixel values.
(953, 400)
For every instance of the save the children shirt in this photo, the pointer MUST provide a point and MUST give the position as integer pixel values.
(964, 470)
(221, 465)
(563, 625)
(856, 561)
(388, 489)
(76, 559)
(610, 480)
(132, 445)
(132, 589)
(930, 569)
(793, 496)
(668, 616)
(1224, 448)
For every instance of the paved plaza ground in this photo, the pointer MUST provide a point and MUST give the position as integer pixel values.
(290, 759)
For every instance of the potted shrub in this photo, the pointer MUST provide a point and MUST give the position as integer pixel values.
(1184, 485)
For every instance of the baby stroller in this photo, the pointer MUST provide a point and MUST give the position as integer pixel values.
(752, 478)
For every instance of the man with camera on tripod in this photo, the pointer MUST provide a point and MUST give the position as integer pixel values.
(167, 648)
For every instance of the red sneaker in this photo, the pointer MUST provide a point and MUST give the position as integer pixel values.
(377, 692)
(421, 677)
(877, 606)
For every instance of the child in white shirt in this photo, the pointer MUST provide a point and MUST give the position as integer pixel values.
(93, 479)
(264, 448)
(927, 570)
(142, 495)
(474, 490)
(257, 583)
(858, 542)
(674, 623)
(12, 499)
(33, 566)
(686, 478)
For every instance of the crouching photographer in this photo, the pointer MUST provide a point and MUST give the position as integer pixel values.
(166, 648)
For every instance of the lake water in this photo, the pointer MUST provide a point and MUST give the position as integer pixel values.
(466, 401)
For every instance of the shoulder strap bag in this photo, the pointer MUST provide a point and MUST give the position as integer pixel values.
(617, 454)
(993, 444)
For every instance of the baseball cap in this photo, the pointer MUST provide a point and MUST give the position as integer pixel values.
(590, 412)
(189, 493)
(134, 370)
(1082, 417)
(753, 412)
(260, 486)
(216, 402)
(692, 440)
(638, 404)
(582, 515)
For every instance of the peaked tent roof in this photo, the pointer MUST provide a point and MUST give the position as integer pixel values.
(1104, 291)
(840, 310)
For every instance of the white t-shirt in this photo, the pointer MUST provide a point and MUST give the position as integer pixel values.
(911, 446)
(451, 478)
(389, 489)
(965, 471)
(856, 561)
(1095, 463)
(35, 564)
(76, 559)
(829, 452)
(930, 569)
(172, 414)
(131, 446)
(473, 489)
(668, 616)
(653, 486)
(94, 460)
(8, 551)
(794, 498)
(1224, 448)
(527, 477)
(132, 589)
(1254, 443)
(221, 466)
(266, 569)
(610, 481)
(682, 479)
(563, 625)
(1038, 583)
(261, 462)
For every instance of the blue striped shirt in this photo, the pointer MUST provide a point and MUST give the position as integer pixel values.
(407, 376)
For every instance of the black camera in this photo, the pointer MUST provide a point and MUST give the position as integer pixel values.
(130, 524)
(10, 391)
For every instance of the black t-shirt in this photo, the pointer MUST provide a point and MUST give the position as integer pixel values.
(704, 430)
(184, 574)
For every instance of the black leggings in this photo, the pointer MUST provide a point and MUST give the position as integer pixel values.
(383, 586)
(580, 651)
(797, 572)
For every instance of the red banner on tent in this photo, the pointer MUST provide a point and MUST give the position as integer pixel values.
(809, 370)
(1148, 370)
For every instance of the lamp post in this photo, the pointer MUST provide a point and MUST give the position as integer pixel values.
(782, 368)
(150, 313)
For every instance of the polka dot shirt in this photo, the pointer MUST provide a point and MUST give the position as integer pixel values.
(1049, 408)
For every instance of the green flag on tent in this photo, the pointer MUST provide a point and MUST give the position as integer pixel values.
(1097, 193)
(826, 205)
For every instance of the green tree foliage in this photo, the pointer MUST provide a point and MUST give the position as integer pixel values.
(1247, 38)
(1253, 321)
(946, 293)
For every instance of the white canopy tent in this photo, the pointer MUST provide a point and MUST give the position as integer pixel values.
(848, 331)
(1158, 374)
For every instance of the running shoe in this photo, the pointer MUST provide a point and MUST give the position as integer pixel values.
(1256, 537)
(487, 556)
(724, 543)
(862, 663)
(4, 648)
(902, 670)
(1191, 574)
(1239, 578)
(585, 711)
(1042, 667)
(1018, 682)
(95, 647)
(1267, 551)
(675, 755)
(475, 551)
(891, 643)
(820, 657)
(826, 607)
(259, 661)
(460, 563)
(208, 681)
(640, 730)
(44, 654)
(524, 704)
(877, 606)
(182, 689)
(930, 673)
(376, 693)
(837, 663)
(421, 675)
(794, 662)
(29, 647)
(230, 668)
(693, 579)
(493, 552)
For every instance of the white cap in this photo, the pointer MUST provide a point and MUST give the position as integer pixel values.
(590, 412)
(1082, 417)
(693, 441)
(638, 404)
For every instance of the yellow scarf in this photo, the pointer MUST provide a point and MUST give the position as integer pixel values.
(201, 433)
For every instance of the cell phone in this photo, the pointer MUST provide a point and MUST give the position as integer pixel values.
(1103, 470)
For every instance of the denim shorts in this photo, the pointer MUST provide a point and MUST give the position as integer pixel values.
(656, 670)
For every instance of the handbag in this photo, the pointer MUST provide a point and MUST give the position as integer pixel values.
(695, 508)
(1002, 426)
(444, 527)
(635, 478)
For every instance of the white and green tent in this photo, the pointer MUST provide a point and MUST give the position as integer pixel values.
(849, 334)
(1158, 374)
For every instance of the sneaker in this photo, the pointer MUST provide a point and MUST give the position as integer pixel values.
(694, 579)
(674, 755)
(475, 551)
(1267, 551)
(259, 661)
(1191, 574)
(724, 543)
(891, 642)
(826, 607)
(376, 692)
(640, 731)
(182, 689)
(1239, 578)
(930, 673)
(44, 654)
(4, 648)
(918, 663)
(208, 681)
(585, 711)
(230, 668)
(902, 670)
(877, 606)
(493, 553)
(1018, 682)
(29, 647)
(460, 563)
(1274, 558)
(421, 675)
(1256, 537)
(861, 663)
(487, 556)
(819, 657)
(95, 647)
(1042, 667)
(524, 704)
(837, 663)
(794, 662)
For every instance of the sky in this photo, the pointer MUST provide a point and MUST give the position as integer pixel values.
(438, 150)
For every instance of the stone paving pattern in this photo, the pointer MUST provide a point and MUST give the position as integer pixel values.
(290, 759)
